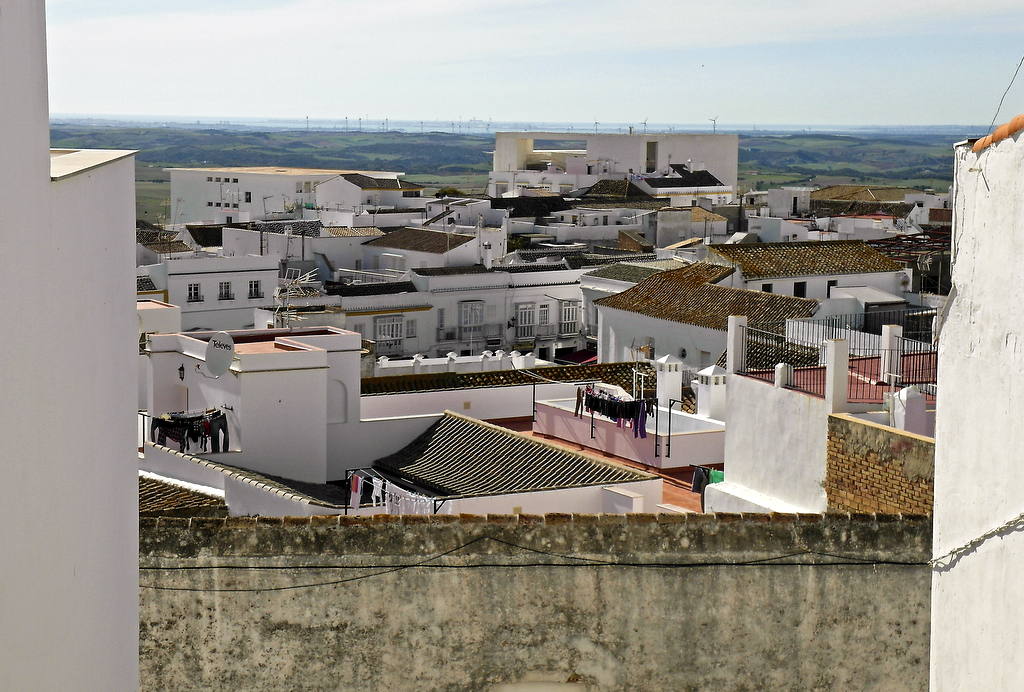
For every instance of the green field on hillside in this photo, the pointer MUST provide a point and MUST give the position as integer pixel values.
(437, 159)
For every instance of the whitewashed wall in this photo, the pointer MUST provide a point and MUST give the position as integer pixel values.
(775, 450)
(978, 604)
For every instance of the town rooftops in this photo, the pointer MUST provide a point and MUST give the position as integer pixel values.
(688, 295)
(144, 283)
(369, 182)
(615, 188)
(811, 258)
(633, 272)
(421, 240)
(618, 374)
(688, 178)
(697, 214)
(863, 193)
(358, 232)
(333, 288)
(284, 170)
(310, 229)
(207, 236)
(460, 457)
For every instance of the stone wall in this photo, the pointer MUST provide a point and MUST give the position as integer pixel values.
(605, 602)
(874, 468)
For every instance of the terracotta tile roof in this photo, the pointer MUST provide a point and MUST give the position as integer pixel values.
(144, 283)
(1002, 132)
(688, 295)
(616, 188)
(778, 260)
(689, 178)
(421, 240)
(310, 229)
(346, 232)
(940, 216)
(366, 182)
(164, 247)
(633, 273)
(459, 456)
(673, 182)
(697, 214)
(144, 236)
(157, 498)
(838, 207)
(618, 374)
(863, 193)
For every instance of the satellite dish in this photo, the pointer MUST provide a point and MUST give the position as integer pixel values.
(220, 351)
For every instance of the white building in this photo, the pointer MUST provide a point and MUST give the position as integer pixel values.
(242, 194)
(469, 310)
(410, 248)
(787, 202)
(684, 313)
(977, 594)
(809, 269)
(216, 292)
(69, 497)
(675, 224)
(532, 159)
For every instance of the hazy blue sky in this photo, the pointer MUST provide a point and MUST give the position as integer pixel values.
(748, 62)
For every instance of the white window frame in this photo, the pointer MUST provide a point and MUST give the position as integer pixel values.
(410, 329)
(569, 316)
(194, 293)
(471, 320)
(526, 320)
(224, 291)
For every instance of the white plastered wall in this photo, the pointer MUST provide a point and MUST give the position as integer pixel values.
(978, 603)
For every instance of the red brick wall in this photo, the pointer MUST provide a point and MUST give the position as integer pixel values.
(873, 468)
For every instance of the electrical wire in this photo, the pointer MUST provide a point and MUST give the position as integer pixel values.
(580, 562)
(1000, 106)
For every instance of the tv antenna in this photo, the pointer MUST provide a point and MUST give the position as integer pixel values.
(295, 286)
(714, 124)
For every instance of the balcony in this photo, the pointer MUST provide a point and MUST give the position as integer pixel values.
(226, 296)
(195, 299)
(447, 334)
(389, 347)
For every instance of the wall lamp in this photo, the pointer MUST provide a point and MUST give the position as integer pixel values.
(181, 372)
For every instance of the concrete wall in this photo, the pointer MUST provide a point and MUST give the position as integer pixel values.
(318, 604)
(619, 329)
(876, 468)
(979, 599)
(775, 445)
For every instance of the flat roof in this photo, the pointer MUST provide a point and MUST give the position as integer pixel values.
(278, 170)
(68, 162)
(152, 305)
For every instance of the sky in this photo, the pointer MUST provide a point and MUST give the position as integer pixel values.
(748, 63)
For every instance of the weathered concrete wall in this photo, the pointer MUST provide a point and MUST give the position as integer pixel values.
(875, 468)
(615, 602)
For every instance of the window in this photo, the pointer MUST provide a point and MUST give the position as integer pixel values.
(217, 180)
(307, 186)
(411, 193)
(570, 318)
(224, 291)
(471, 320)
(604, 220)
(298, 187)
(800, 289)
(217, 204)
(254, 289)
(767, 288)
(235, 205)
(209, 179)
(209, 204)
(832, 283)
(542, 314)
(387, 332)
(358, 327)
(248, 198)
(526, 319)
(410, 329)
(195, 294)
(440, 318)
(234, 180)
